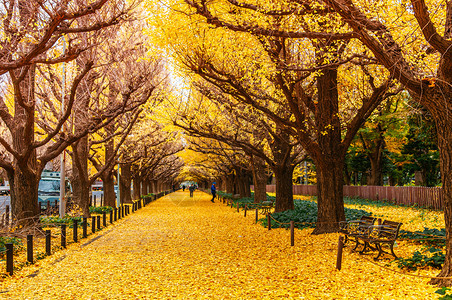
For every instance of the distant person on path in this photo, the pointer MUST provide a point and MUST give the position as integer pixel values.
(191, 188)
(213, 190)
(183, 188)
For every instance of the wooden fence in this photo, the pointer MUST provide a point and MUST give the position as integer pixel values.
(428, 197)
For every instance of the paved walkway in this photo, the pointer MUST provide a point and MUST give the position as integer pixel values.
(189, 248)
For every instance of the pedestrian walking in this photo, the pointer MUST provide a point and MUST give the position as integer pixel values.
(191, 188)
(213, 190)
(183, 188)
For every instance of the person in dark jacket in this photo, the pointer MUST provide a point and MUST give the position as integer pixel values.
(213, 190)
(191, 188)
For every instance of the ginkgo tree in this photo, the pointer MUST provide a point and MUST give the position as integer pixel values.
(412, 39)
(293, 64)
(227, 120)
(30, 35)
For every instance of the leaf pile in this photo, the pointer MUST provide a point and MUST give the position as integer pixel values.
(189, 248)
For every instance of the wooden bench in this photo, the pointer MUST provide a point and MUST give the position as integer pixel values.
(379, 235)
(265, 207)
(355, 228)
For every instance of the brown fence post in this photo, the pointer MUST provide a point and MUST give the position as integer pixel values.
(93, 224)
(246, 207)
(237, 206)
(340, 245)
(9, 259)
(48, 242)
(257, 214)
(85, 227)
(30, 248)
(269, 224)
(63, 235)
(74, 230)
(292, 233)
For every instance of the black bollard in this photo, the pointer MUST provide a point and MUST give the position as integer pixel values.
(85, 227)
(9, 259)
(74, 230)
(116, 214)
(63, 235)
(30, 248)
(292, 233)
(104, 219)
(48, 243)
(98, 222)
(111, 217)
(246, 207)
(269, 222)
(93, 224)
(257, 214)
(340, 245)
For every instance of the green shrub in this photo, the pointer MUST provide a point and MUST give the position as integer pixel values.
(224, 195)
(57, 220)
(249, 200)
(147, 196)
(443, 291)
(305, 212)
(17, 243)
(429, 257)
(100, 209)
(428, 236)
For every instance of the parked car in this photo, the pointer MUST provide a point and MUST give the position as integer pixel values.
(49, 188)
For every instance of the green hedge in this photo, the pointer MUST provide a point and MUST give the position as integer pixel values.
(100, 209)
(306, 212)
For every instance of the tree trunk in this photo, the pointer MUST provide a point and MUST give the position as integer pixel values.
(330, 195)
(230, 184)
(154, 186)
(259, 179)
(284, 188)
(330, 157)
(126, 183)
(375, 157)
(443, 121)
(80, 180)
(24, 205)
(247, 185)
(347, 177)
(136, 186)
(145, 186)
(376, 172)
(109, 188)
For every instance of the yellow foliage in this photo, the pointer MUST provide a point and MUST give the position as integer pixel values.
(188, 248)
